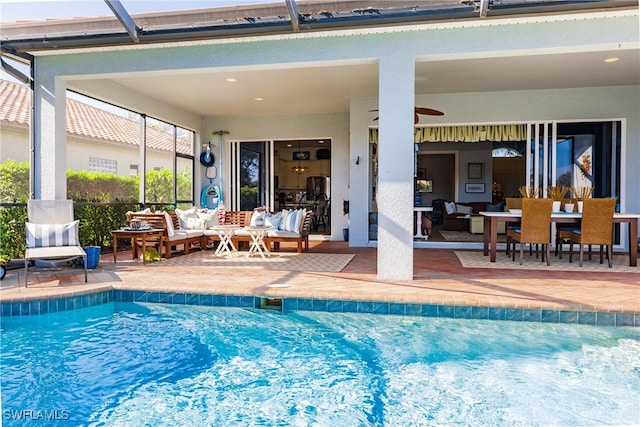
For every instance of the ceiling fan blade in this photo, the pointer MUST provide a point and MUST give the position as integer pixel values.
(419, 110)
(429, 111)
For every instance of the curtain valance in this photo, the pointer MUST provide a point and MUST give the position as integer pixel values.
(491, 133)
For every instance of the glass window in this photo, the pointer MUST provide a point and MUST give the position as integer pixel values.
(103, 165)
(588, 156)
(185, 146)
(159, 157)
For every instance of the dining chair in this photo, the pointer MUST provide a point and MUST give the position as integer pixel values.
(563, 232)
(534, 228)
(512, 203)
(596, 228)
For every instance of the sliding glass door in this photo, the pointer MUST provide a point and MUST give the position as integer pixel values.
(251, 175)
(575, 154)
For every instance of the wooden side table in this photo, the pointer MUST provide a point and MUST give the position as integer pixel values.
(226, 233)
(128, 233)
(257, 241)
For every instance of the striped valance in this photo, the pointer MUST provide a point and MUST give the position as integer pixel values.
(491, 133)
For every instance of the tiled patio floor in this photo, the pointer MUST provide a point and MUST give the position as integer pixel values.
(439, 279)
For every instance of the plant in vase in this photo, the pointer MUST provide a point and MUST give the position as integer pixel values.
(557, 193)
(581, 193)
(529, 192)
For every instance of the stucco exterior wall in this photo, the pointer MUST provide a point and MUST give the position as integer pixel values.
(14, 144)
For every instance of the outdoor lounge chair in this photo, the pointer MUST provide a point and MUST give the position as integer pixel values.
(52, 234)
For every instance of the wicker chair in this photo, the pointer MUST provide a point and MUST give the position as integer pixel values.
(512, 203)
(596, 228)
(563, 232)
(534, 227)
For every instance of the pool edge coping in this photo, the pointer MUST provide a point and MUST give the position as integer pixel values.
(35, 305)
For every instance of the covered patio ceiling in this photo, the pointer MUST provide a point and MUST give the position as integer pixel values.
(328, 89)
(325, 88)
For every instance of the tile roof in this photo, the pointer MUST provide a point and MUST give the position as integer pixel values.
(85, 121)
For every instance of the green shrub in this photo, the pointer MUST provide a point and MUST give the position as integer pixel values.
(14, 182)
(12, 231)
(101, 201)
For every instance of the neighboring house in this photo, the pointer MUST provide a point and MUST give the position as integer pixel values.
(566, 74)
(97, 140)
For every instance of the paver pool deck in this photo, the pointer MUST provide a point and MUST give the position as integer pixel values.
(439, 279)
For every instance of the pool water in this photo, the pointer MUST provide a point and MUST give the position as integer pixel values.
(129, 364)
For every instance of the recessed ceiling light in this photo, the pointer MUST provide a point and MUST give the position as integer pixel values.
(289, 145)
(321, 142)
(231, 80)
(613, 59)
(258, 98)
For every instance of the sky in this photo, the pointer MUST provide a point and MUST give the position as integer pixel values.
(16, 10)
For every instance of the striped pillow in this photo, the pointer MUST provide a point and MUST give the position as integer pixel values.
(293, 220)
(48, 235)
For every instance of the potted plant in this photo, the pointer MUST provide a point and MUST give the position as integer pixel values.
(529, 192)
(581, 193)
(557, 193)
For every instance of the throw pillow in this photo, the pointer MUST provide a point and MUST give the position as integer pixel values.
(290, 221)
(170, 230)
(450, 207)
(184, 215)
(273, 220)
(283, 220)
(210, 216)
(222, 215)
(50, 235)
(499, 207)
(464, 209)
(299, 218)
(196, 224)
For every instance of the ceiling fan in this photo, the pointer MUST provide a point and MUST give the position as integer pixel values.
(420, 110)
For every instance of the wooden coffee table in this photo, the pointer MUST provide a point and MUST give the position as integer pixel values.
(129, 233)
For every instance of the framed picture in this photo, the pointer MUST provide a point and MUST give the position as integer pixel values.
(472, 187)
(301, 155)
(421, 173)
(424, 185)
(475, 170)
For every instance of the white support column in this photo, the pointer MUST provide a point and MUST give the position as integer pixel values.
(395, 167)
(359, 190)
(49, 157)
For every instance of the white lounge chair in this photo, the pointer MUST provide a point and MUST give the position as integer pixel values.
(52, 234)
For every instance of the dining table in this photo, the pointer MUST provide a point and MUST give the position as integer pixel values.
(491, 229)
(418, 210)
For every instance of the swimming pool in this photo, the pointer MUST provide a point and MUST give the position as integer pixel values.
(130, 364)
